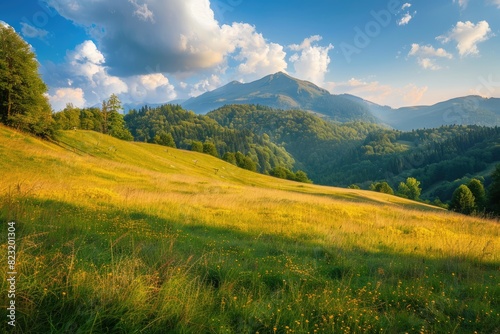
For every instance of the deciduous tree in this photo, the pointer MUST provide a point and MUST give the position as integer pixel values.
(23, 104)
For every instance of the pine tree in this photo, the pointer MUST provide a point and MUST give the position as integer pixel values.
(114, 124)
(23, 104)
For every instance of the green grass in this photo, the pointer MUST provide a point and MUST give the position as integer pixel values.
(135, 238)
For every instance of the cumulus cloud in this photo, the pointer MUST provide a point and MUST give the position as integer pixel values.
(310, 62)
(62, 96)
(467, 35)
(175, 36)
(255, 55)
(86, 64)
(205, 85)
(426, 56)
(140, 37)
(31, 32)
(428, 51)
(88, 82)
(379, 93)
(151, 88)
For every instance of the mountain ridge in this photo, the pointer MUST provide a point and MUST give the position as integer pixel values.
(282, 91)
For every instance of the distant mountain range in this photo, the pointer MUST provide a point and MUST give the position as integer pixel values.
(468, 110)
(282, 91)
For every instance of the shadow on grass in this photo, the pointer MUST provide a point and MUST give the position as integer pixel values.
(226, 265)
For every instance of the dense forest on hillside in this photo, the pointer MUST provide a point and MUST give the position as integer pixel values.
(306, 136)
(276, 142)
(186, 130)
(342, 154)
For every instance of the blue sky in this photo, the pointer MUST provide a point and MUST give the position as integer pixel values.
(391, 52)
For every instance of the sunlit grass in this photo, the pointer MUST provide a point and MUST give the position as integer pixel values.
(131, 237)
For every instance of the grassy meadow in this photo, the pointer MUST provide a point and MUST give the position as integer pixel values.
(120, 237)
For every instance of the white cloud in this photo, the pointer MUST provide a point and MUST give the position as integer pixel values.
(310, 62)
(142, 11)
(205, 85)
(405, 19)
(184, 36)
(179, 37)
(86, 64)
(63, 96)
(428, 64)
(426, 55)
(90, 83)
(462, 3)
(379, 93)
(255, 55)
(306, 43)
(468, 35)
(32, 32)
(152, 88)
(428, 51)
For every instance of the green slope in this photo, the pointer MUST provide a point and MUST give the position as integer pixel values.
(114, 236)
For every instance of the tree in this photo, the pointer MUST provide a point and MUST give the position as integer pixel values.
(279, 172)
(240, 159)
(68, 119)
(209, 148)
(463, 200)
(23, 104)
(382, 187)
(477, 189)
(301, 176)
(249, 164)
(165, 139)
(196, 146)
(410, 189)
(114, 124)
(229, 157)
(494, 191)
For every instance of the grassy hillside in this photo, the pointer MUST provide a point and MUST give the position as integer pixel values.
(127, 237)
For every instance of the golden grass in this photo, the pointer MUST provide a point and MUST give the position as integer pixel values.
(136, 191)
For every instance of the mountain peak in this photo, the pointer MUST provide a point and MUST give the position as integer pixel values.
(281, 91)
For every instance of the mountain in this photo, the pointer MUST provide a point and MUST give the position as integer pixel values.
(282, 91)
(468, 110)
